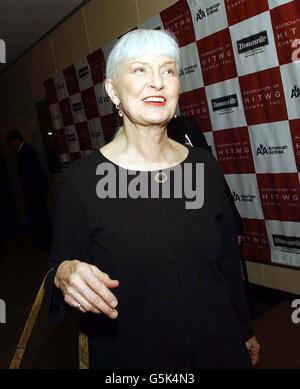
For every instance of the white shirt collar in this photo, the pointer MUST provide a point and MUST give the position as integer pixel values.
(19, 148)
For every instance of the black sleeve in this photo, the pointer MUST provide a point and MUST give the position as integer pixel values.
(230, 267)
(70, 241)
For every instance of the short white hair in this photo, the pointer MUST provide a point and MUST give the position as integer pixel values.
(138, 43)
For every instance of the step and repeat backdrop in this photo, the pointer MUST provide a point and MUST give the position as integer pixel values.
(240, 78)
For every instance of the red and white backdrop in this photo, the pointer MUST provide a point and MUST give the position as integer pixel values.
(240, 79)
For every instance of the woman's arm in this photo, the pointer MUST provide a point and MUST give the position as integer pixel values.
(73, 280)
(230, 267)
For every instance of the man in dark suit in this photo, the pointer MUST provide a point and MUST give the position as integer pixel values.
(34, 186)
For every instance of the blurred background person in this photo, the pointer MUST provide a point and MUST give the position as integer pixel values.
(34, 182)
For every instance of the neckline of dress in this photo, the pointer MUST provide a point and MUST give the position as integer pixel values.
(148, 171)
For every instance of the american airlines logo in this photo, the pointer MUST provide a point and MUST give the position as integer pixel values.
(295, 92)
(271, 150)
(246, 198)
(253, 42)
(2, 51)
(201, 14)
(225, 102)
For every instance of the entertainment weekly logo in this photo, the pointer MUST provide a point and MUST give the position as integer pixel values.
(2, 312)
(2, 51)
(186, 181)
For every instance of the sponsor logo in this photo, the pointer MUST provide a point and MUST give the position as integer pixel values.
(224, 103)
(201, 14)
(77, 107)
(289, 242)
(2, 312)
(271, 150)
(71, 137)
(83, 72)
(295, 92)
(103, 99)
(253, 42)
(188, 70)
(2, 51)
(243, 197)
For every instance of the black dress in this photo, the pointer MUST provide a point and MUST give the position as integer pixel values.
(181, 297)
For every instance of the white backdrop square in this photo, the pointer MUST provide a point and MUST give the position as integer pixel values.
(77, 108)
(84, 74)
(104, 103)
(246, 195)
(284, 242)
(209, 16)
(272, 148)
(56, 116)
(61, 86)
(72, 139)
(290, 75)
(253, 44)
(190, 72)
(225, 105)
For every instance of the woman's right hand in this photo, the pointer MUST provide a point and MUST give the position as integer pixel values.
(87, 288)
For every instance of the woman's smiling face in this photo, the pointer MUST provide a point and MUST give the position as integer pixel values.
(147, 88)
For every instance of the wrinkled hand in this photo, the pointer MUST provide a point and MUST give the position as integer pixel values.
(254, 348)
(86, 287)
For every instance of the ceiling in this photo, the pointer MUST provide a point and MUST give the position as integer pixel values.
(24, 22)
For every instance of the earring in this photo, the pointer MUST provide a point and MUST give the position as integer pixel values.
(175, 116)
(119, 109)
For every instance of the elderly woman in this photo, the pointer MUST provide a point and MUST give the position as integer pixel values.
(156, 274)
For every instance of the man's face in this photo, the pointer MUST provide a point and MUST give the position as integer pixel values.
(13, 144)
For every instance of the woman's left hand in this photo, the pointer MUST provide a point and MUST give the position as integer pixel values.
(253, 347)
